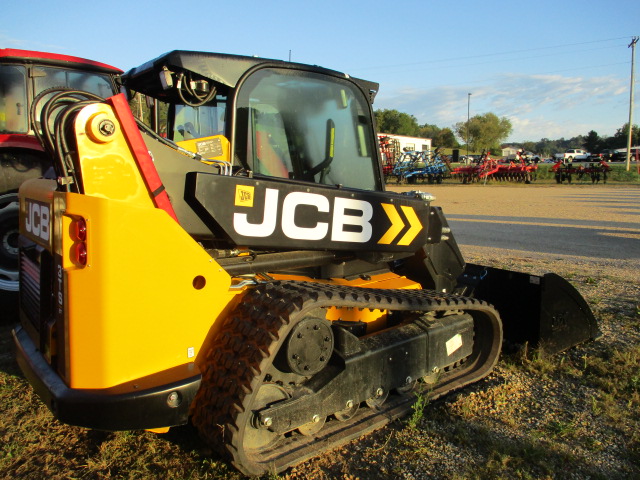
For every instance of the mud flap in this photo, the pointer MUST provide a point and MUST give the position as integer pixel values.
(542, 311)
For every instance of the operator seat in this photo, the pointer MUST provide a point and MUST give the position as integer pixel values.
(270, 161)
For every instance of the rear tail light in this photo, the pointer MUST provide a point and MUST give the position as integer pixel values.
(80, 254)
(79, 234)
(80, 229)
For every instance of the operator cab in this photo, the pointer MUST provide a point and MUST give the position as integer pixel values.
(282, 120)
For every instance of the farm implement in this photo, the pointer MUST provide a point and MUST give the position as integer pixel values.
(414, 167)
(488, 168)
(596, 171)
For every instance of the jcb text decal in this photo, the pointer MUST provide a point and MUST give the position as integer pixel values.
(315, 217)
(36, 220)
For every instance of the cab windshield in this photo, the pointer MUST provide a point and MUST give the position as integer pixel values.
(13, 99)
(48, 77)
(14, 106)
(306, 126)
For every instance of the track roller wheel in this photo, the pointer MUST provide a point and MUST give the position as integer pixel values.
(313, 427)
(408, 387)
(378, 399)
(259, 437)
(348, 413)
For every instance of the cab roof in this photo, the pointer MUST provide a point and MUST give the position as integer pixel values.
(225, 69)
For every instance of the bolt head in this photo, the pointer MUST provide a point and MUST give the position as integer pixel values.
(173, 399)
(107, 127)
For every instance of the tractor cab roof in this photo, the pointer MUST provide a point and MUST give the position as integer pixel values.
(13, 55)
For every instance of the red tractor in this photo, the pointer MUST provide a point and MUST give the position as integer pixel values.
(23, 76)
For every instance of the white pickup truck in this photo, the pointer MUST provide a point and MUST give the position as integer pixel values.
(573, 154)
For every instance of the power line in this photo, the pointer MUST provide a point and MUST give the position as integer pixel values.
(581, 67)
(434, 61)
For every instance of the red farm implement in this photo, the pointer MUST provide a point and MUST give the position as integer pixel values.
(488, 168)
(596, 171)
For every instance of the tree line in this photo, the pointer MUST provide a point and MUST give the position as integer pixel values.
(591, 142)
(488, 132)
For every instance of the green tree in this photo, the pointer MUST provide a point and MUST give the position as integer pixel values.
(445, 138)
(429, 131)
(621, 135)
(592, 142)
(395, 122)
(485, 131)
(441, 137)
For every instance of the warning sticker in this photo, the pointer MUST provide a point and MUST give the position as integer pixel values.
(454, 343)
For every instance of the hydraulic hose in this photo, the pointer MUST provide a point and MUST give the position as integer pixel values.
(55, 123)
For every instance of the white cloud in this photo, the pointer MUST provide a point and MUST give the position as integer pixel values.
(538, 106)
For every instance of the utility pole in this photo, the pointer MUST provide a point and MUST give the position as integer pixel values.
(468, 105)
(634, 40)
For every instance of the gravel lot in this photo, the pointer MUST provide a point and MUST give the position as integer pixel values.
(550, 204)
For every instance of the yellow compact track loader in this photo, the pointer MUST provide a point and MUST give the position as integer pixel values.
(239, 265)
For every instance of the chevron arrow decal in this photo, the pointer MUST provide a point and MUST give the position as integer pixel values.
(397, 224)
(416, 226)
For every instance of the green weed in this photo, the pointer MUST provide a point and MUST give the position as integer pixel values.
(418, 407)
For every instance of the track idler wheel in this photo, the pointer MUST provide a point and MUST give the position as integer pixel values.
(309, 346)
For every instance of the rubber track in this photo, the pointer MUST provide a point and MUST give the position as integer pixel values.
(241, 354)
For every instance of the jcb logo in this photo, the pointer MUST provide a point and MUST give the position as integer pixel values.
(350, 218)
(294, 215)
(244, 196)
(315, 217)
(36, 220)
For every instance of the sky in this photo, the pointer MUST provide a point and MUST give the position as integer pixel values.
(555, 69)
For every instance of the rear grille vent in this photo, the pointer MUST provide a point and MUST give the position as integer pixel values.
(30, 289)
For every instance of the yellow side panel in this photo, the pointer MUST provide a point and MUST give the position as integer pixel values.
(147, 298)
(107, 165)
